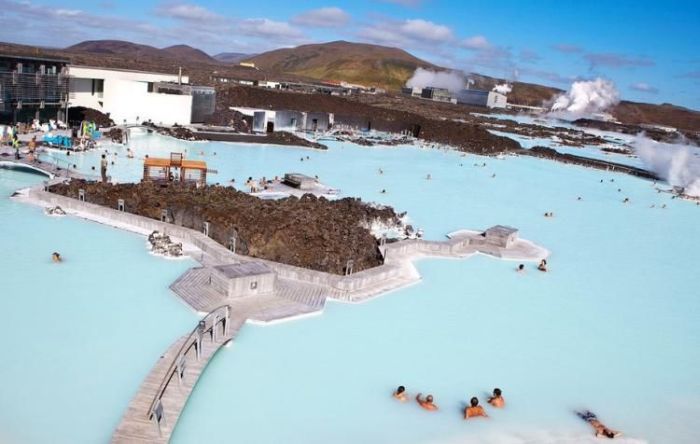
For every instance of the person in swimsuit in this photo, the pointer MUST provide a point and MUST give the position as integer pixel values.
(497, 399)
(426, 403)
(600, 428)
(56, 257)
(543, 265)
(400, 394)
(474, 410)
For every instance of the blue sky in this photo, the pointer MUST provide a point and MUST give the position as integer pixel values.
(649, 49)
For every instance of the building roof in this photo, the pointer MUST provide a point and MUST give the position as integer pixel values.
(500, 231)
(38, 59)
(163, 163)
(101, 68)
(233, 271)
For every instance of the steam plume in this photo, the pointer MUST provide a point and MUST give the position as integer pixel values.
(503, 88)
(587, 97)
(450, 80)
(678, 164)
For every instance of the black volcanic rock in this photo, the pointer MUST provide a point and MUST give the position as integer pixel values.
(308, 232)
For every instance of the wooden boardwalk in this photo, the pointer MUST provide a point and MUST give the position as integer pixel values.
(48, 169)
(140, 421)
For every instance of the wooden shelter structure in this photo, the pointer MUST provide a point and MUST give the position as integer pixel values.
(175, 169)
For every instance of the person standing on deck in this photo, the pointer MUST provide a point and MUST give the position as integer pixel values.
(103, 168)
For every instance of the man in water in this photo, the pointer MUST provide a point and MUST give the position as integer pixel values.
(400, 394)
(56, 257)
(543, 265)
(474, 410)
(497, 399)
(103, 168)
(426, 403)
(521, 268)
(600, 428)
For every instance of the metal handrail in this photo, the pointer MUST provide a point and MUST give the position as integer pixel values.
(196, 334)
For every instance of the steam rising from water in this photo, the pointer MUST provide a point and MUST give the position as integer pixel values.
(587, 97)
(452, 80)
(678, 164)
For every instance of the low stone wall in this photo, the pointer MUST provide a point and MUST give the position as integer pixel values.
(143, 225)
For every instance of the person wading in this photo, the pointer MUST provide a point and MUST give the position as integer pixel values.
(103, 168)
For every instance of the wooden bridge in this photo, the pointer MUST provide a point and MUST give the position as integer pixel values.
(153, 413)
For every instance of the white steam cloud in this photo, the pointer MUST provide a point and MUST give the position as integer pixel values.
(587, 97)
(678, 164)
(451, 80)
(503, 88)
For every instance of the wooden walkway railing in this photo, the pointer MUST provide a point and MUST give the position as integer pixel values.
(152, 414)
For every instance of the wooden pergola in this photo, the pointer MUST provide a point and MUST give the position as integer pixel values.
(175, 169)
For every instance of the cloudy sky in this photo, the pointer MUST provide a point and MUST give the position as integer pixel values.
(648, 48)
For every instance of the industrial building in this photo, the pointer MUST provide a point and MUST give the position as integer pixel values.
(32, 88)
(267, 121)
(136, 96)
(437, 94)
(488, 99)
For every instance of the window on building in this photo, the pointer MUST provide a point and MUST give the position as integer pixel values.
(98, 87)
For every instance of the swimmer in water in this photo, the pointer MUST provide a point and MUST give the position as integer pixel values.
(497, 399)
(383, 191)
(426, 403)
(56, 257)
(428, 177)
(521, 268)
(400, 394)
(543, 265)
(600, 428)
(474, 410)
(627, 200)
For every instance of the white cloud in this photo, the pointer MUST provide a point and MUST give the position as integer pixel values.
(477, 42)
(330, 17)
(187, 12)
(266, 28)
(644, 87)
(408, 33)
(404, 2)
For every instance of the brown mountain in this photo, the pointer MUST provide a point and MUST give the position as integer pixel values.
(132, 50)
(353, 62)
(186, 52)
(116, 47)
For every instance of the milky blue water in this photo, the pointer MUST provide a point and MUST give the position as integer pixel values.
(613, 327)
(81, 335)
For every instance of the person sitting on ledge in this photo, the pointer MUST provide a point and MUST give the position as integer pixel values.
(543, 265)
(56, 257)
(426, 403)
(400, 394)
(600, 428)
(497, 399)
(474, 410)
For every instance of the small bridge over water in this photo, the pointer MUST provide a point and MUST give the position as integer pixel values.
(48, 169)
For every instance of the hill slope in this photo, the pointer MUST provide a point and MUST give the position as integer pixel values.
(132, 50)
(116, 47)
(232, 57)
(352, 62)
(186, 52)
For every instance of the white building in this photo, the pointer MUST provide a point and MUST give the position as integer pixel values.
(489, 99)
(131, 96)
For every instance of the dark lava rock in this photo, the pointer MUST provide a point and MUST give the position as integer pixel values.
(308, 232)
